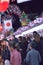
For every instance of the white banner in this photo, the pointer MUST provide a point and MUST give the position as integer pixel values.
(8, 24)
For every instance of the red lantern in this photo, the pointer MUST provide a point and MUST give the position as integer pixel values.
(4, 5)
(1, 28)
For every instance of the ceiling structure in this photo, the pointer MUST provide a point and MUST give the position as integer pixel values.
(33, 6)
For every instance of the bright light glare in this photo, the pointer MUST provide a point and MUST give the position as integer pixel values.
(31, 30)
(20, 1)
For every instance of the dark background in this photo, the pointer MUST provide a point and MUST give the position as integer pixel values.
(33, 6)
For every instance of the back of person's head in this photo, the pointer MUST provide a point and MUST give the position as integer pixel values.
(33, 45)
(13, 43)
(24, 39)
(36, 36)
(20, 38)
(35, 33)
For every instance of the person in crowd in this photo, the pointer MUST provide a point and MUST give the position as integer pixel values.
(15, 58)
(41, 49)
(13, 38)
(5, 50)
(24, 47)
(33, 56)
(1, 60)
(37, 40)
(0, 48)
(38, 44)
(23, 43)
(29, 41)
(20, 42)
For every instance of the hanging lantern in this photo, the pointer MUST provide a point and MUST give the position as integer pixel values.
(1, 28)
(4, 5)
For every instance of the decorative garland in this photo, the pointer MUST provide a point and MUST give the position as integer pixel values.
(14, 9)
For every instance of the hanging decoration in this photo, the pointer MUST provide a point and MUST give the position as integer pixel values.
(8, 27)
(24, 19)
(8, 24)
(4, 4)
(14, 9)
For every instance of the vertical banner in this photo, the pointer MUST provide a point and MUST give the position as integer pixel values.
(8, 24)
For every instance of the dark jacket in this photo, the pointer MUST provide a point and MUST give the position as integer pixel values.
(6, 54)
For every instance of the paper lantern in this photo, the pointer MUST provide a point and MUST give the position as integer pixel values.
(4, 5)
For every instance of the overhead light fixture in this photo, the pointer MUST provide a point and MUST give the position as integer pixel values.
(21, 1)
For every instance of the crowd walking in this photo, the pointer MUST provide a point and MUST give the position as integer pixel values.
(22, 50)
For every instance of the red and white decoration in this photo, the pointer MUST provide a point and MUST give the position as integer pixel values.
(14, 9)
(8, 24)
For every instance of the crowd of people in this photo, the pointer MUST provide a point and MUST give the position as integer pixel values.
(22, 50)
